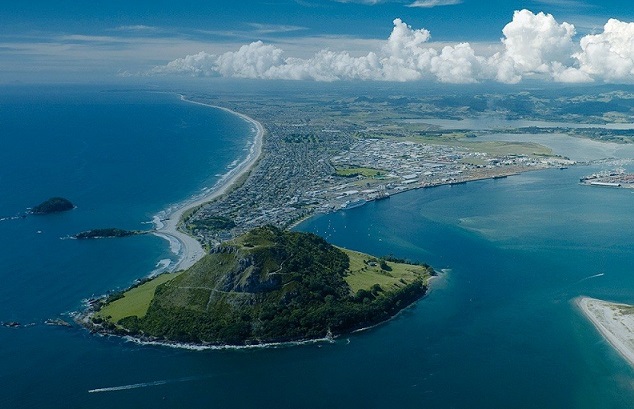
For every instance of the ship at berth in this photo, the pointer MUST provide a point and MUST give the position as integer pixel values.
(351, 204)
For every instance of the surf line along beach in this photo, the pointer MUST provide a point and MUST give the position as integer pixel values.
(614, 321)
(167, 224)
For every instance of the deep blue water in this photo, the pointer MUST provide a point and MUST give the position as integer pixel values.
(498, 330)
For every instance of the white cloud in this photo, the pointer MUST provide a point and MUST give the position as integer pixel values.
(533, 46)
(135, 28)
(610, 54)
(458, 64)
(275, 28)
(434, 3)
(564, 3)
(403, 57)
(533, 43)
(369, 2)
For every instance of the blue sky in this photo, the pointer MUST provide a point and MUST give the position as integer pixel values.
(43, 41)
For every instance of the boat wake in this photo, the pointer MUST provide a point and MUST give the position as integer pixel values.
(143, 385)
(588, 278)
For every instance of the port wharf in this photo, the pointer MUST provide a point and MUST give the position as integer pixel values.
(614, 178)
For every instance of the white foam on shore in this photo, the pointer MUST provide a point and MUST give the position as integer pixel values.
(175, 245)
(156, 221)
(198, 347)
(161, 267)
(163, 263)
(166, 222)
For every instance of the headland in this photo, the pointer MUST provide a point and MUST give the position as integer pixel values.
(268, 286)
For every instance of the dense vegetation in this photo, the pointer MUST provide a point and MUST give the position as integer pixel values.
(110, 232)
(53, 205)
(271, 286)
(213, 223)
(353, 172)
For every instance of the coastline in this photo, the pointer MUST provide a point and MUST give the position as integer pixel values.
(615, 327)
(189, 249)
(207, 347)
(83, 319)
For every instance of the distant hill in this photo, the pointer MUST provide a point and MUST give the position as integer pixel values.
(267, 286)
(53, 205)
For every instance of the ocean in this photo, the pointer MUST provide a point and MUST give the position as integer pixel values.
(497, 329)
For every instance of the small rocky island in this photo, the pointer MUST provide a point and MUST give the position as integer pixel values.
(53, 205)
(107, 233)
(267, 286)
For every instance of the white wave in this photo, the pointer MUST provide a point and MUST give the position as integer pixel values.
(175, 245)
(156, 221)
(163, 263)
(196, 347)
(161, 267)
(2, 219)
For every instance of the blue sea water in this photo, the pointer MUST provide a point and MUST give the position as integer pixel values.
(497, 330)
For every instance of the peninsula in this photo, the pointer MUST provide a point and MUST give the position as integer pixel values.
(263, 285)
(614, 321)
(267, 286)
(242, 278)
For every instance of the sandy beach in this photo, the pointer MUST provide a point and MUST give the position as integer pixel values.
(614, 321)
(166, 225)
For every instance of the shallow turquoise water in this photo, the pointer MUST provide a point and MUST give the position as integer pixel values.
(501, 324)
(498, 330)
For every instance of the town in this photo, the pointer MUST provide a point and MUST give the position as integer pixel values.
(316, 161)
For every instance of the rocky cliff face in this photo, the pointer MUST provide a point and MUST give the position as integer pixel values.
(249, 277)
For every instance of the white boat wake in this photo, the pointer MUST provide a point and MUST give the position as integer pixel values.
(141, 385)
(592, 276)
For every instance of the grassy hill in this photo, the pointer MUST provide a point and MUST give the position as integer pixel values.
(267, 286)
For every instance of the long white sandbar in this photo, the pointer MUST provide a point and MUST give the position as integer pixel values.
(614, 321)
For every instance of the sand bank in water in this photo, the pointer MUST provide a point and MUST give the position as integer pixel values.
(614, 321)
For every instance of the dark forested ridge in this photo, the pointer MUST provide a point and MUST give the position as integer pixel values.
(53, 205)
(108, 232)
